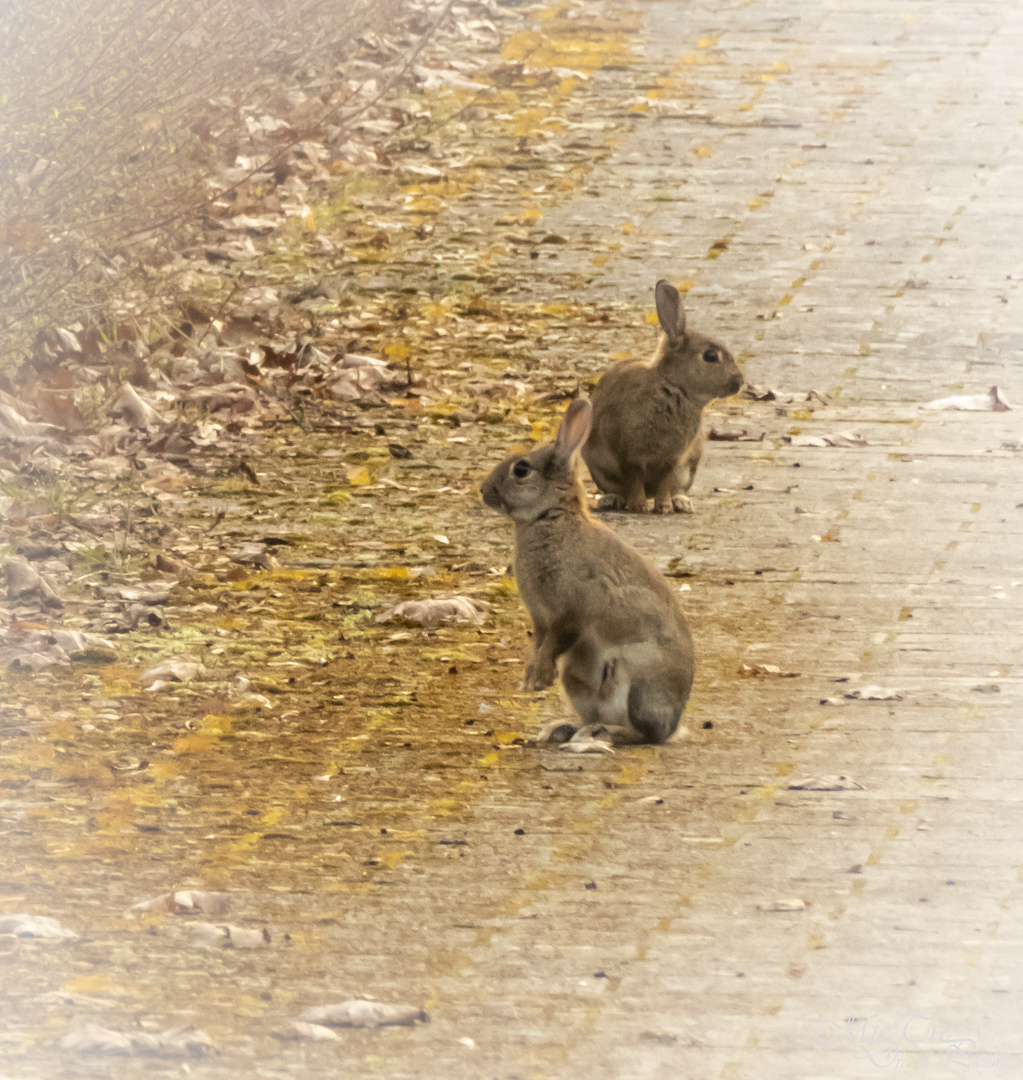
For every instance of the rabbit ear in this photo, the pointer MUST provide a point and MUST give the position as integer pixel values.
(575, 427)
(670, 312)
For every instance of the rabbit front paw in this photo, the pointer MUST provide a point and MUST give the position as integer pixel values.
(682, 504)
(539, 675)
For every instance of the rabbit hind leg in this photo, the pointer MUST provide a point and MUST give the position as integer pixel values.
(664, 495)
(608, 482)
(635, 493)
(654, 710)
(620, 484)
(607, 709)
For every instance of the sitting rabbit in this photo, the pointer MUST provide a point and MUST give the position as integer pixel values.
(628, 655)
(646, 439)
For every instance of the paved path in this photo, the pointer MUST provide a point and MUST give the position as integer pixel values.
(841, 182)
(858, 167)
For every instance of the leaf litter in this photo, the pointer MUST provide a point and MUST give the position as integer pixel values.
(224, 503)
(206, 518)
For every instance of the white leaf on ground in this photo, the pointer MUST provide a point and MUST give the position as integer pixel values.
(187, 901)
(174, 1042)
(151, 592)
(358, 360)
(21, 578)
(258, 226)
(587, 746)
(442, 79)
(254, 553)
(357, 153)
(34, 655)
(873, 693)
(361, 1014)
(252, 700)
(179, 669)
(761, 670)
(35, 926)
(426, 171)
(14, 425)
(992, 401)
(259, 300)
(840, 438)
(89, 1038)
(224, 934)
(139, 413)
(825, 783)
(783, 905)
(846, 438)
(432, 612)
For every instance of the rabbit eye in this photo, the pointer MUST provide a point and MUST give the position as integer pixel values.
(711, 356)
(520, 469)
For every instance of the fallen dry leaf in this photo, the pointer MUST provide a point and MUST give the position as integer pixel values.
(187, 901)
(224, 934)
(783, 905)
(175, 1043)
(35, 926)
(432, 612)
(89, 1038)
(841, 438)
(992, 401)
(139, 413)
(151, 592)
(587, 746)
(179, 669)
(760, 670)
(825, 783)
(86, 1037)
(358, 1013)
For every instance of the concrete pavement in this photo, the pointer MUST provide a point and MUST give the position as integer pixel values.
(792, 888)
(842, 184)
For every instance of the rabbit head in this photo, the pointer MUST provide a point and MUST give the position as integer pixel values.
(702, 367)
(527, 486)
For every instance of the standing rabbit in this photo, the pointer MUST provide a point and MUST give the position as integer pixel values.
(646, 439)
(628, 655)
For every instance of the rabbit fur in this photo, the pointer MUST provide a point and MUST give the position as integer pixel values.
(646, 440)
(596, 603)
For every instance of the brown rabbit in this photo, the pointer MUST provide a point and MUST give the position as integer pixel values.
(646, 439)
(628, 655)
